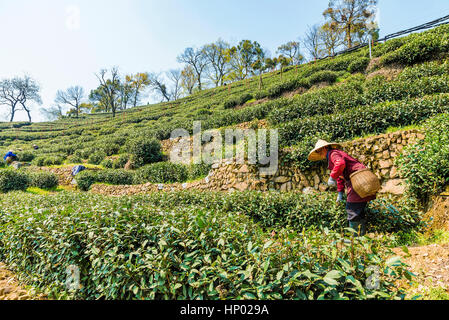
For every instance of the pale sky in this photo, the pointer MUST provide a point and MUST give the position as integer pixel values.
(62, 43)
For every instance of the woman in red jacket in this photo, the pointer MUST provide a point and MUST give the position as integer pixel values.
(342, 166)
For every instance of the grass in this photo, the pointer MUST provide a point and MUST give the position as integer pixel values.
(410, 127)
(427, 292)
(437, 237)
(39, 191)
(390, 130)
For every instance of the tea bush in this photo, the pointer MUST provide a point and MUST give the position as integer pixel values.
(96, 157)
(425, 165)
(390, 46)
(26, 156)
(245, 98)
(11, 180)
(197, 171)
(85, 179)
(126, 249)
(231, 103)
(107, 163)
(121, 161)
(162, 172)
(144, 150)
(323, 76)
(361, 120)
(74, 159)
(320, 102)
(273, 210)
(420, 47)
(52, 160)
(427, 69)
(43, 179)
(357, 92)
(359, 65)
(116, 176)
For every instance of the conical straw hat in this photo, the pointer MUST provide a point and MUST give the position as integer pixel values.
(314, 155)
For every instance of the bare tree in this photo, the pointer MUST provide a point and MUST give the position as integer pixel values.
(73, 97)
(53, 113)
(19, 91)
(9, 96)
(218, 61)
(158, 85)
(196, 59)
(175, 77)
(110, 88)
(312, 41)
(350, 16)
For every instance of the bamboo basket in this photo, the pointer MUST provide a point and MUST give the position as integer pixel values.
(365, 183)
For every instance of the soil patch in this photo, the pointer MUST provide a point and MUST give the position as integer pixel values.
(389, 73)
(430, 264)
(291, 94)
(10, 288)
(437, 218)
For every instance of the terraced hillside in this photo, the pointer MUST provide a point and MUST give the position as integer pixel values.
(240, 245)
(321, 96)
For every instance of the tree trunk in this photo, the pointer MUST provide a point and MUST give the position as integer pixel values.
(349, 36)
(135, 98)
(12, 115)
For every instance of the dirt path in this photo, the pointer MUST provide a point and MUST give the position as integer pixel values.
(10, 289)
(431, 265)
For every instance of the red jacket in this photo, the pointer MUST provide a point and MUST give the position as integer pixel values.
(342, 166)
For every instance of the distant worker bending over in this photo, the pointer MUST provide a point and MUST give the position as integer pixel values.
(10, 157)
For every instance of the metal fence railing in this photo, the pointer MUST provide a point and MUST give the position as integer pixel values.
(425, 26)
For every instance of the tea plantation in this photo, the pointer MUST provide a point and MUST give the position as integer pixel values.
(240, 245)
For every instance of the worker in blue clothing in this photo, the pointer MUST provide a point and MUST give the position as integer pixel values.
(10, 157)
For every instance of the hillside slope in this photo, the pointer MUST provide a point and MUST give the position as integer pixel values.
(342, 98)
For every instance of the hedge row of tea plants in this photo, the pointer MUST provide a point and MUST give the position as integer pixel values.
(425, 165)
(357, 93)
(420, 47)
(361, 120)
(11, 180)
(295, 210)
(426, 69)
(124, 248)
(161, 172)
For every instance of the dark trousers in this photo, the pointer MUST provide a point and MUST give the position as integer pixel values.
(356, 211)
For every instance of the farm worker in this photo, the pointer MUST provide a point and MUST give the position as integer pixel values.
(10, 157)
(342, 166)
(77, 169)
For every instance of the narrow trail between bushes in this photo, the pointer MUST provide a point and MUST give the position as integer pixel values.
(11, 289)
(430, 264)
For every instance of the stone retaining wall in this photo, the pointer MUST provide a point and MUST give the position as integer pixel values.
(377, 153)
